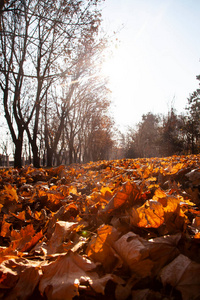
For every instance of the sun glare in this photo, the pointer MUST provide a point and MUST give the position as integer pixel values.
(125, 72)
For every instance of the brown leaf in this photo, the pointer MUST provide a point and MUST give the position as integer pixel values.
(61, 233)
(134, 253)
(183, 274)
(63, 277)
(194, 176)
(162, 250)
(20, 275)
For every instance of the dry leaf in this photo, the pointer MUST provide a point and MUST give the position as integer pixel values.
(134, 253)
(183, 274)
(101, 247)
(62, 278)
(151, 214)
(61, 233)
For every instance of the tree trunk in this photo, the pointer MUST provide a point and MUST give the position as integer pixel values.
(36, 159)
(49, 157)
(18, 154)
(70, 155)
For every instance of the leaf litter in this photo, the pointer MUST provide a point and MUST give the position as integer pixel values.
(121, 229)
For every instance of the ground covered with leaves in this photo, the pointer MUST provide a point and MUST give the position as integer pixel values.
(122, 229)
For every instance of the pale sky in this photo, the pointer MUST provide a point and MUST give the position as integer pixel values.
(156, 57)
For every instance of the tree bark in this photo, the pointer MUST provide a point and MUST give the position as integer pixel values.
(18, 153)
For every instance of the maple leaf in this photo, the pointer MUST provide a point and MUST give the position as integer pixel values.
(194, 176)
(21, 276)
(100, 247)
(25, 239)
(183, 274)
(61, 233)
(133, 250)
(162, 250)
(121, 197)
(150, 214)
(61, 279)
(9, 198)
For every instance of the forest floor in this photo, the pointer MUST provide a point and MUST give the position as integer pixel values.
(121, 229)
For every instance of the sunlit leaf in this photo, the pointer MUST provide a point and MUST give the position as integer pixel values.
(101, 247)
(121, 197)
(8, 193)
(151, 214)
(25, 239)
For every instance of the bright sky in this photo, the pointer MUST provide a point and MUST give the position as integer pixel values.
(156, 58)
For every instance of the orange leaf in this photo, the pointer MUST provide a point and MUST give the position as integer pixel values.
(5, 227)
(9, 193)
(119, 198)
(20, 215)
(25, 239)
(100, 247)
(151, 214)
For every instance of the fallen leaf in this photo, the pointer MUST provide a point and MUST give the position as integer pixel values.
(150, 214)
(61, 279)
(134, 253)
(101, 247)
(123, 195)
(20, 276)
(61, 233)
(25, 239)
(183, 274)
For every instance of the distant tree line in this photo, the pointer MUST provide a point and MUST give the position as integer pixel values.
(166, 135)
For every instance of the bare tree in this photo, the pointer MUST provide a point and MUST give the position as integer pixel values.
(39, 45)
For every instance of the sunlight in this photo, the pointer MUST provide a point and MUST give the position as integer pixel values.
(135, 70)
(127, 70)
